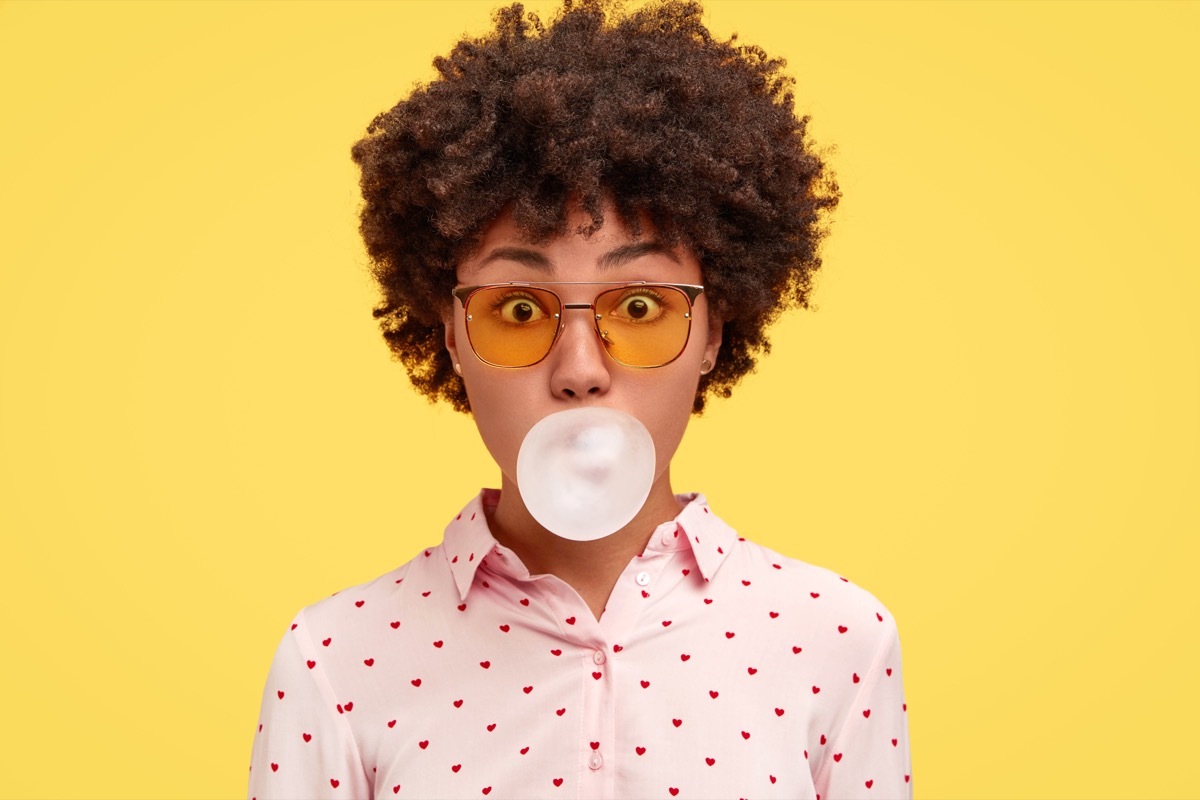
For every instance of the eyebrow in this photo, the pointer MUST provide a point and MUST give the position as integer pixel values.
(609, 261)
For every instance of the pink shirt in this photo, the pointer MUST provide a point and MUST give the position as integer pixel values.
(718, 669)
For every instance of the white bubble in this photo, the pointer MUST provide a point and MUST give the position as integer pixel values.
(585, 473)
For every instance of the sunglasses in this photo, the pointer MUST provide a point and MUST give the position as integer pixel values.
(640, 324)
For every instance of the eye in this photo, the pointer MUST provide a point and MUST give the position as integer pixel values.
(641, 305)
(519, 309)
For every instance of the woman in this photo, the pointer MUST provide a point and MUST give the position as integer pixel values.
(602, 213)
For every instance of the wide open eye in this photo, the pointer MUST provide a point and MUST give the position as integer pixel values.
(640, 305)
(518, 308)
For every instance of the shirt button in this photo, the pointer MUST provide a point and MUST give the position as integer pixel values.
(598, 656)
(642, 578)
(595, 761)
(668, 538)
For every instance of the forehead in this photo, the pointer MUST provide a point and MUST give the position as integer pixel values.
(613, 252)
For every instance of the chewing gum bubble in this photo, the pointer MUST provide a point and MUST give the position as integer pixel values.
(586, 472)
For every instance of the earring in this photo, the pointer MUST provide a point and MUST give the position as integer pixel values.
(705, 367)
(458, 369)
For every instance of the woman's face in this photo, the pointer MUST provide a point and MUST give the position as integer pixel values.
(578, 372)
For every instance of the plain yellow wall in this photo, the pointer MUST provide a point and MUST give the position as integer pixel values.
(992, 421)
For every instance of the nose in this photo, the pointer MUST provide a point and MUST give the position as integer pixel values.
(580, 367)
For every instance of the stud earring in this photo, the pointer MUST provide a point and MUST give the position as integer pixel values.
(705, 367)
(458, 369)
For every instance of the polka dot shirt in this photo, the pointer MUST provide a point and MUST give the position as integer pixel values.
(718, 669)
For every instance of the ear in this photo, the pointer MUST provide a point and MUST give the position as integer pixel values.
(713, 345)
(451, 341)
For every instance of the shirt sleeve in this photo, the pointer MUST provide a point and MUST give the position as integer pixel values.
(304, 747)
(870, 756)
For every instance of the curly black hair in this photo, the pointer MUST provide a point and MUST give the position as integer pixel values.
(646, 111)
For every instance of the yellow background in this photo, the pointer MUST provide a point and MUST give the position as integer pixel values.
(992, 421)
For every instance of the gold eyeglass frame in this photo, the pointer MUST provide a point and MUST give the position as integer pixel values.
(689, 290)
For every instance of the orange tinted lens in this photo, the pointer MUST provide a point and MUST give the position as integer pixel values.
(644, 326)
(512, 326)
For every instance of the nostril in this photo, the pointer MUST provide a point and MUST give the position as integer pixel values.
(568, 393)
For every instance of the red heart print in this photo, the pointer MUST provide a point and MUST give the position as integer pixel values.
(617, 648)
(504, 628)
(395, 624)
(796, 649)
(645, 684)
(311, 664)
(673, 791)
(751, 670)
(456, 768)
(906, 777)
(816, 690)
(350, 706)
(597, 675)
(370, 662)
(893, 742)
(423, 744)
(334, 782)
(686, 572)
(485, 664)
(462, 606)
(391, 723)
(772, 777)
(878, 616)
(293, 626)
(396, 789)
(676, 722)
(359, 603)
(415, 681)
(558, 781)
(684, 656)
(425, 594)
(595, 745)
(280, 694)
(837, 756)
(645, 593)
(773, 614)
(889, 672)
(779, 712)
(708, 601)
(340, 709)
(274, 767)
(560, 711)
(527, 689)
(729, 634)
(842, 629)
(641, 751)
(856, 678)
(823, 740)
(867, 713)
(491, 727)
(666, 623)
(570, 620)
(524, 750)
(556, 652)
(745, 583)
(524, 601)
(458, 703)
(869, 783)
(307, 737)
(327, 641)
(713, 694)
(745, 734)
(814, 595)
(710, 761)
(438, 643)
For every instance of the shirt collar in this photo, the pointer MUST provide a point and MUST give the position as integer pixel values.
(468, 541)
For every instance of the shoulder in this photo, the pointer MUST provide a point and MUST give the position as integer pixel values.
(827, 605)
(373, 607)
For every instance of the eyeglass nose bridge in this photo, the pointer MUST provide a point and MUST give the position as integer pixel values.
(581, 307)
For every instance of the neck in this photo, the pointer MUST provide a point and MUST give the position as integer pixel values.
(591, 568)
